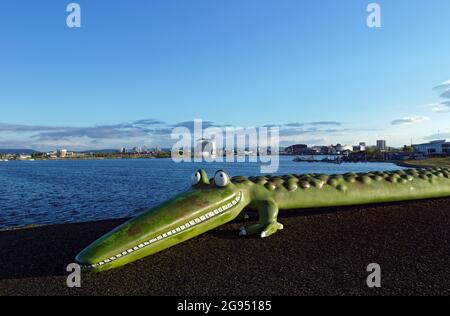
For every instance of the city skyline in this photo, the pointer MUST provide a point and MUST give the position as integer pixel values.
(134, 72)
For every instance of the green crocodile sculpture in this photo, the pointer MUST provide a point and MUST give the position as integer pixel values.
(211, 203)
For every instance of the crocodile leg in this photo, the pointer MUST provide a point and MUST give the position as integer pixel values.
(268, 224)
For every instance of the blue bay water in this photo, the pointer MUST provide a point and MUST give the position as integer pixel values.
(50, 192)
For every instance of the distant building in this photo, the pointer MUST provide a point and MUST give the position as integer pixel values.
(137, 150)
(24, 157)
(317, 150)
(328, 150)
(206, 148)
(344, 148)
(434, 147)
(361, 147)
(381, 145)
(299, 149)
(62, 153)
(52, 154)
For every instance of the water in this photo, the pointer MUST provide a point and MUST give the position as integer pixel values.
(49, 192)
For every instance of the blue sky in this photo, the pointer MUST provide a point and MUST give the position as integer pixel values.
(239, 62)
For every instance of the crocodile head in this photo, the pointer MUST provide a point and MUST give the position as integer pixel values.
(205, 206)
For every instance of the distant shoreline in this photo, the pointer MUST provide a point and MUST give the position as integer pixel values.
(90, 158)
(427, 163)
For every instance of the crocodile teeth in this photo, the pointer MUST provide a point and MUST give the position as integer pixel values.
(170, 233)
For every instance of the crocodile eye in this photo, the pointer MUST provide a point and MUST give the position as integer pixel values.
(195, 178)
(221, 179)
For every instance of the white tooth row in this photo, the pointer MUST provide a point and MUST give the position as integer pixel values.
(177, 230)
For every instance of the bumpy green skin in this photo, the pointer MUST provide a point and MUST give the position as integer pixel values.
(207, 205)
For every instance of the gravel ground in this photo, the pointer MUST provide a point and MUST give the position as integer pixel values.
(320, 252)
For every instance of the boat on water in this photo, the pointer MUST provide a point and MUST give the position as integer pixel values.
(4, 160)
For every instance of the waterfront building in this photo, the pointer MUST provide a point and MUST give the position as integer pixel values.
(52, 154)
(361, 147)
(137, 150)
(206, 148)
(317, 150)
(344, 148)
(329, 150)
(435, 147)
(25, 157)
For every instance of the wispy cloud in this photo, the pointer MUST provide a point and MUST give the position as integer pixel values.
(444, 90)
(134, 129)
(190, 125)
(4, 127)
(148, 132)
(440, 107)
(446, 94)
(324, 123)
(318, 124)
(101, 131)
(294, 124)
(443, 86)
(438, 136)
(43, 136)
(148, 122)
(410, 120)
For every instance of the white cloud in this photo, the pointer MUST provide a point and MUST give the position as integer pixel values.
(444, 135)
(446, 94)
(410, 120)
(443, 86)
(444, 90)
(440, 107)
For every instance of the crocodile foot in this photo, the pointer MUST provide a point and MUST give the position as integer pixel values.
(271, 229)
(259, 229)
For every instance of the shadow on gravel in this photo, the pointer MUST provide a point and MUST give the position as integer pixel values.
(46, 251)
